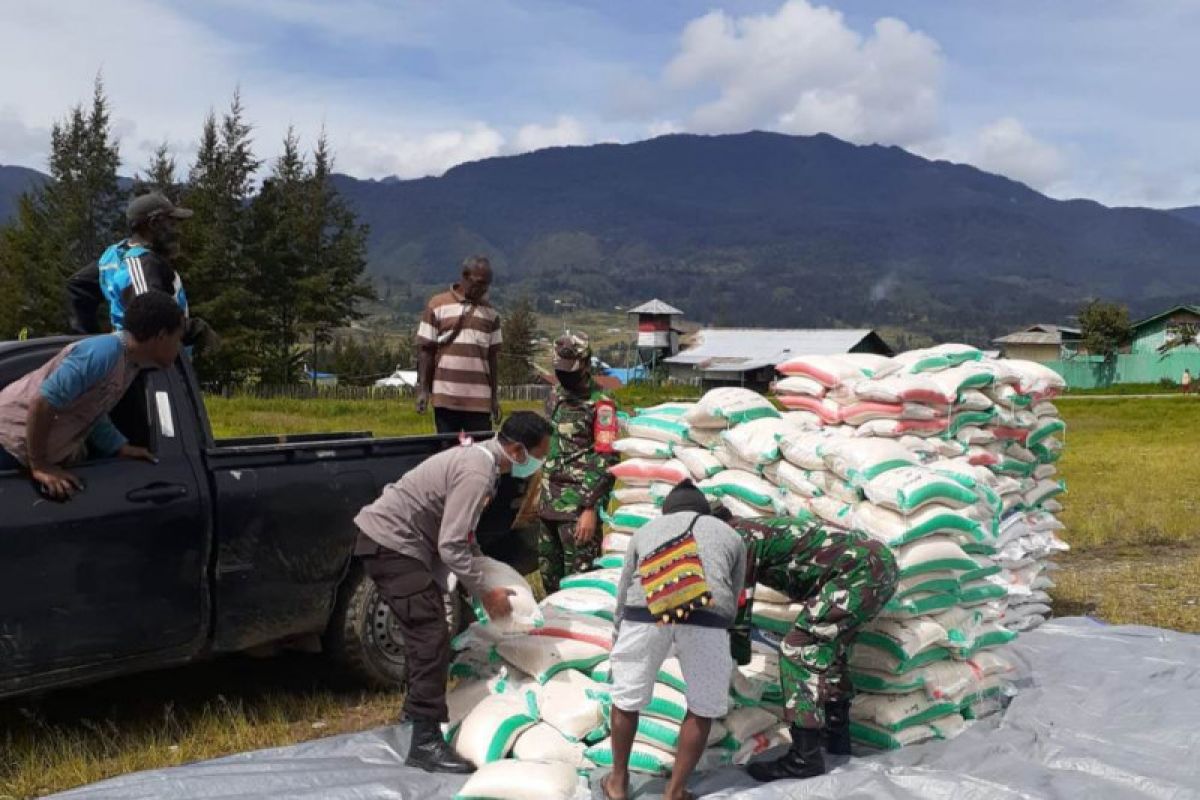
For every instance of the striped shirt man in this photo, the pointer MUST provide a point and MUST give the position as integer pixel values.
(462, 379)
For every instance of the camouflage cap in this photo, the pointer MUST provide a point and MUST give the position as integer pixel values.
(572, 352)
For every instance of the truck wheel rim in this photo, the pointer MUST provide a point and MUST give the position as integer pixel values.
(385, 632)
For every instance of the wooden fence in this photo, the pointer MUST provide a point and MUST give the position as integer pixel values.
(534, 393)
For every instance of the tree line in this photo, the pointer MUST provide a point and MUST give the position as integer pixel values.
(274, 269)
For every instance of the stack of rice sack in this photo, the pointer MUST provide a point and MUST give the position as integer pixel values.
(948, 458)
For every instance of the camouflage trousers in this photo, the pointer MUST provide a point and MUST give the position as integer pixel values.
(559, 555)
(842, 585)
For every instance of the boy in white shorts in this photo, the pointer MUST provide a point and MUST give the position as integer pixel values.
(679, 589)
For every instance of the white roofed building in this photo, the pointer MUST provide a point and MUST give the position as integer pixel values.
(747, 356)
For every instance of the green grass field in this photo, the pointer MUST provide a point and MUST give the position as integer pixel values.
(1131, 514)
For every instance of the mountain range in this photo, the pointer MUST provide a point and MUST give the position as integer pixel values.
(764, 229)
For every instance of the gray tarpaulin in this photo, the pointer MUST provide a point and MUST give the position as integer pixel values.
(1103, 712)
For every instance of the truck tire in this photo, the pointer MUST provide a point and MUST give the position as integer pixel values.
(363, 639)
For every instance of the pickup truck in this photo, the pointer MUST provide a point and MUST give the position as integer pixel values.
(221, 547)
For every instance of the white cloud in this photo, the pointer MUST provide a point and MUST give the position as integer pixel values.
(803, 70)
(662, 128)
(21, 143)
(1004, 146)
(417, 156)
(565, 131)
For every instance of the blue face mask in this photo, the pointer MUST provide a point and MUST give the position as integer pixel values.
(528, 467)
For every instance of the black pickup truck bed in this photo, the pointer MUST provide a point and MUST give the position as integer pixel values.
(220, 547)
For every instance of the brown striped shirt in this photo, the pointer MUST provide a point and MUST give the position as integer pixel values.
(460, 374)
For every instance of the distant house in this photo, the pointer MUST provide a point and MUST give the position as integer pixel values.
(1152, 332)
(1041, 342)
(400, 379)
(747, 356)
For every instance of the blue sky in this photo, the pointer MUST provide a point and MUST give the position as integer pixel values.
(1088, 98)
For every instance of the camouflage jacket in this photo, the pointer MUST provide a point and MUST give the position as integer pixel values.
(575, 476)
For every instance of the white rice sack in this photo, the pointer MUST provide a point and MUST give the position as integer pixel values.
(803, 448)
(827, 411)
(1042, 491)
(1036, 380)
(803, 420)
(665, 735)
(705, 437)
(896, 712)
(570, 702)
(910, 488)
(866, 410)
(873, 735)
(931, 554)
(788, 476)
(603, 579)
(643, 758)
(643, 471)
(511, 779)
(672, 430)
(973, 400)
(544, 657)
(795, 505)
(729, 406)
(700, 462)
(859, 461)
(743, 723)
(757, 442)
(895, 428)
(672, 409)
(525, 613)
(488, 733)
(761, 743)
(543, 743)
(460, 700)
(563, 624)
(731, 460)
(833, 511)
(630, 495)
(744, 486)
(931, 360)
(828, 371)
(740, 509)
(768, 595)
(627, 519)
(634, 447)
(972, 435)
(615, 542)
(867, 363)
(592, 602)
(840, 490)
(1044, 409)
(895, 529)
(800, 384)
(904, 639)
(904, 389)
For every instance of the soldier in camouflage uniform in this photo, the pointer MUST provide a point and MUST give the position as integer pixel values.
(575, 480)
(843, 579)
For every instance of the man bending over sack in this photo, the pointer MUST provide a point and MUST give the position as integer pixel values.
(576, 481)
(680, 586)
(843, 580)
(421, 529)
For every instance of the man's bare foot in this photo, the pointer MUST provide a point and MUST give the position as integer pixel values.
(683, 794)
(606, 786)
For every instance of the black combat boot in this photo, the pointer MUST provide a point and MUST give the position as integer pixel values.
(802, 760)
(837, 728)
(430, 751)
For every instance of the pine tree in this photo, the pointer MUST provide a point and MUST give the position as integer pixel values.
(213, 242)
(160, 175)
(64, 224)
(519, 329)
(307, 257)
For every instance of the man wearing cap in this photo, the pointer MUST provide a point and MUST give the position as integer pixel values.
(133, 266)
(575, 480)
